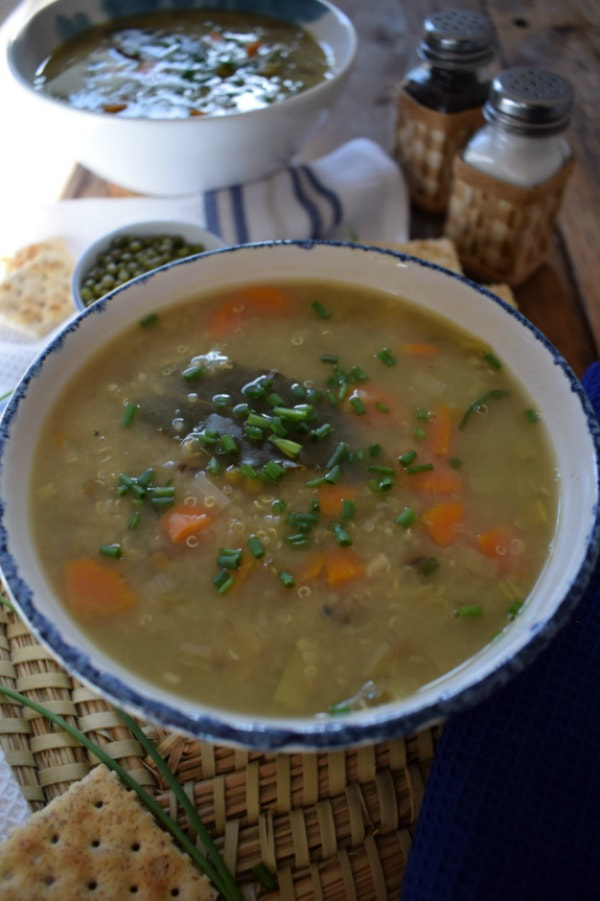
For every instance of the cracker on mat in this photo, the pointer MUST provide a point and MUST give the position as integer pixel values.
(96, 841)
(35, 293)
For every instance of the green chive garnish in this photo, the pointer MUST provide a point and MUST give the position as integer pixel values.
(329, 358)
(386, 356)
(128, 414)
(492, 361)
(469, 611)
(287, 579)
(299, 413)
(341, 535)
(229, 445)
(288, 447)
(333, 475)
(407, 458)
(255, 547)
(253, 431)
(340, 453)
(515, 609)
(223, 581)
(111, 550)
(422, 414)
(221, 400)
(272, 471)
(148, 321)
(383, 408)
(229, 557)
(420, 434)
(357, 405)
(384, 470)
(321, 432)
(532, 415)
(134, 520)
(407, 517)
(267, 879)
(320, 310)
(192, 372)
(348, 508)
(421, 467)
(278, 507)
(248, 471)
(164, 491)
(213, 466)
(494, 394)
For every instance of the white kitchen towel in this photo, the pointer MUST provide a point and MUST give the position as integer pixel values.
(14, 809)
(355, 192)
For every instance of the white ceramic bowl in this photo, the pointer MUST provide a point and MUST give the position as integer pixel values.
(552, 386)
(179, 156)
(191, 233)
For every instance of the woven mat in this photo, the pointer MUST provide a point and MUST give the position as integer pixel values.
(330, 825)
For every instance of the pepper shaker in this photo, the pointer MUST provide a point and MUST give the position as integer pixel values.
(509, 180)
(440, 101)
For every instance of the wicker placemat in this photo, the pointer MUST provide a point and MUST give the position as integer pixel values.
(329, 825)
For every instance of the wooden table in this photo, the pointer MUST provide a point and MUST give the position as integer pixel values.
(563, 297)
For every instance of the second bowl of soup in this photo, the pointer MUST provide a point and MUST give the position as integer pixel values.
(301, 495)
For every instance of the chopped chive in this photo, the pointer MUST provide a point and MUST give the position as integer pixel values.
(223, 581)
(375, 450)
(329, 358)
(315, 505)
(241, 410)
(133, 521)
(383, 408)
(288, 447)
(357, 374)
(331, 397)
(205, 438)
(348, 508)
(333, 475)
(192, 372)
(320, 310)
(386, 483)
(343, 391)
(298, 413)
(386, 356)
(422, 414)
(339, 709)
(492, 361)
(267, 879)
(427, 565)
(297, 539)
(255, 547)
(164, 491)
(341, 535)
(278, 507)
(420, 467)
(125, 481)
(213, 466)
(257, 419)
(253, 431)
(287, 579)
(532, 415)
(221, 400)
(229, 445)
(384, 470)
(111, 550)
(298, 390)
(340, 453)
(407, 458)
(272, 471)
(314, 483)
(357, 405)
(407, 517)
(515, 609)
(248, 471)
(128, 414)
(454, 462)
(420, 434)
(275, 399)
(469, 611)
(321, 432)
(145, 477)
(149, 320)
(494, 394)
(160, 502)
(229, 557)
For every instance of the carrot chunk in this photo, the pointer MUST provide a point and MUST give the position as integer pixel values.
(312, 568)
(332, 496)
(183, 521)
(439, 480)
(254, 301)
(342, 565)
(443, 522)
(495, 542)
(439, 431)
(96, 589)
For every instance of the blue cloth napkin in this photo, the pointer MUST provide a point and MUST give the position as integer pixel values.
(512, 806)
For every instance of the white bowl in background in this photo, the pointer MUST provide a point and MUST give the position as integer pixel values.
(179, 156)
(191, 233)
(551, 385)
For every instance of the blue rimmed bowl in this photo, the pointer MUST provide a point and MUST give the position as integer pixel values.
(553, 389)
(180, 156)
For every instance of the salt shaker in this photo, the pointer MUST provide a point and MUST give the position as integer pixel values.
(509, 180)
(440, 101)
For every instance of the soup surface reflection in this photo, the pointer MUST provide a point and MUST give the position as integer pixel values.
(294, 498)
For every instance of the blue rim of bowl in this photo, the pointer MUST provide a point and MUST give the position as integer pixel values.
(381, 723)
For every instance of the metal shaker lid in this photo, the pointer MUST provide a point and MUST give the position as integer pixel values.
(458, 37)
(529, 101)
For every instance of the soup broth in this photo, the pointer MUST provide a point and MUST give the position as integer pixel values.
(185, 63)
(294, 498)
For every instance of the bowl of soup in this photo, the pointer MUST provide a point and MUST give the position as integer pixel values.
(172, 98)
(298, 495)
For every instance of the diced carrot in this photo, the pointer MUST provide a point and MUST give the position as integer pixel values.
(342, 565)
(439, 480)
(331, 497)
(252, 48)
(443, 521)
(256, 300)
(183, 521)
(96, 589)
(421, 349)
(114, 107)
(439, 431)
(240, 575)
(495, 542)
(312, 569)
